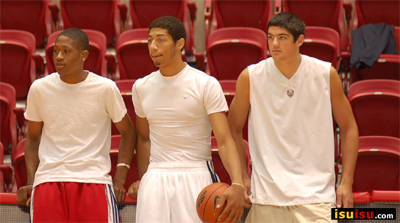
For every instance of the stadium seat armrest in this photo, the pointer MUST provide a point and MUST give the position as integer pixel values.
(278, 6)
(346, 68)
(21, 123)
(348, 9)
(200, 59)
(192, 10)
(111, 64)
(39, 61)
(54, 14)
(123, 11)
(7, 173)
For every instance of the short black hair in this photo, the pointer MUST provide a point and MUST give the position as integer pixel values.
(290, 22)
(78, 36)
(173, 25)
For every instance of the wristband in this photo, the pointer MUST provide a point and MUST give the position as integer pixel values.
(239, 185)
(29, 184)
(124, 164)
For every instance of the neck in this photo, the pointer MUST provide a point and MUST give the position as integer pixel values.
(289, 66)
(74, 79)
(172, 69)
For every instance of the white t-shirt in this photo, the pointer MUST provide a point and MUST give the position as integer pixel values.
(76, 135)
(291, 138)
(177, 110)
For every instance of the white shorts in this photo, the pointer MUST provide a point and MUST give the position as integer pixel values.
(168, 191)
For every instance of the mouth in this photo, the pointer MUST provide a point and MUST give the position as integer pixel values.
(60, 65)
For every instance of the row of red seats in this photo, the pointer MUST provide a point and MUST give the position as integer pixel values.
(41, 17)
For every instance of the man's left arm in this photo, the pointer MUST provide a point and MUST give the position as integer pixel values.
(234, 195)
(125, 155)
(344, 117)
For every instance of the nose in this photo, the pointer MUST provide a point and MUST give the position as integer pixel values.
(275, 42)
(153, 46)
(59, 56)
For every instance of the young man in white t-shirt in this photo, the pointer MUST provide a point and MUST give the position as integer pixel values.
(177, 107)
(290, 99)
(67, 149)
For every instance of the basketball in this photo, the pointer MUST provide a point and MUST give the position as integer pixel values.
(206, 203)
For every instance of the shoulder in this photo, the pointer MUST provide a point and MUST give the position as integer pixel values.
(45, 80)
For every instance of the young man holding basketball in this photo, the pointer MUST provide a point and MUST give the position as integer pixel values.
(67, 148)
(177, 107)
(290, 99)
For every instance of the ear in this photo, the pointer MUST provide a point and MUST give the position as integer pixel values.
(300, 40)
(84, 55)
(180, 44)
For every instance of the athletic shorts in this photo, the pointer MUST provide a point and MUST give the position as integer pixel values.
(316, 213)
(168, 191)
(74, 202)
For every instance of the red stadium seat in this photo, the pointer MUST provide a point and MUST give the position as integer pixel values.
(19, 64)
(378, 164)
(9, 134)
(386, 196)
(143, 13)
(6, 173)
(21, 176)
(133, 56)
(217, 162)
(322, 43)
(125, 87)
(133, 172)
(103, 16)
(321, 13)
(96, 61)
(376, 107)
(361, 198)
(228, 13)
(231, 50)
(378, 11)
(38, 17)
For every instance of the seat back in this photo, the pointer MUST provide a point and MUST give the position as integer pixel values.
(219, 168)
(31, 16)
(253, 13)
(102, 16)
(376, 107)
(8, 127)
(125, 88)
(133, 172)
(378, 165)
(322, 43)
(95, 62)
(21, 176)
(325, 13)
(378, 11)
(132, 52)
(143, 13)
(17, 67)
(231, 50)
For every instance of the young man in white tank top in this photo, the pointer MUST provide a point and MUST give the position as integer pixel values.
(290, 99)
(176, 109)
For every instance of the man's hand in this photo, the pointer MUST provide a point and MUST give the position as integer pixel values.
(247, 193)
(344, 196)
(120, 193)
(24, 195)
(133, 189)
(234, 197)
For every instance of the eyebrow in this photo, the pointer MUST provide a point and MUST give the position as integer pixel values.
(280, 34)
(157, 35)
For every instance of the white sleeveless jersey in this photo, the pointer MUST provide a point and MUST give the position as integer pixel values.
(177, 110)
(291, 134)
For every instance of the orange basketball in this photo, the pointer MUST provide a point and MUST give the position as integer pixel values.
(207, 201)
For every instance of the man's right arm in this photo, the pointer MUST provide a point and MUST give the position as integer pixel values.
(142, 152)
(31, 159)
